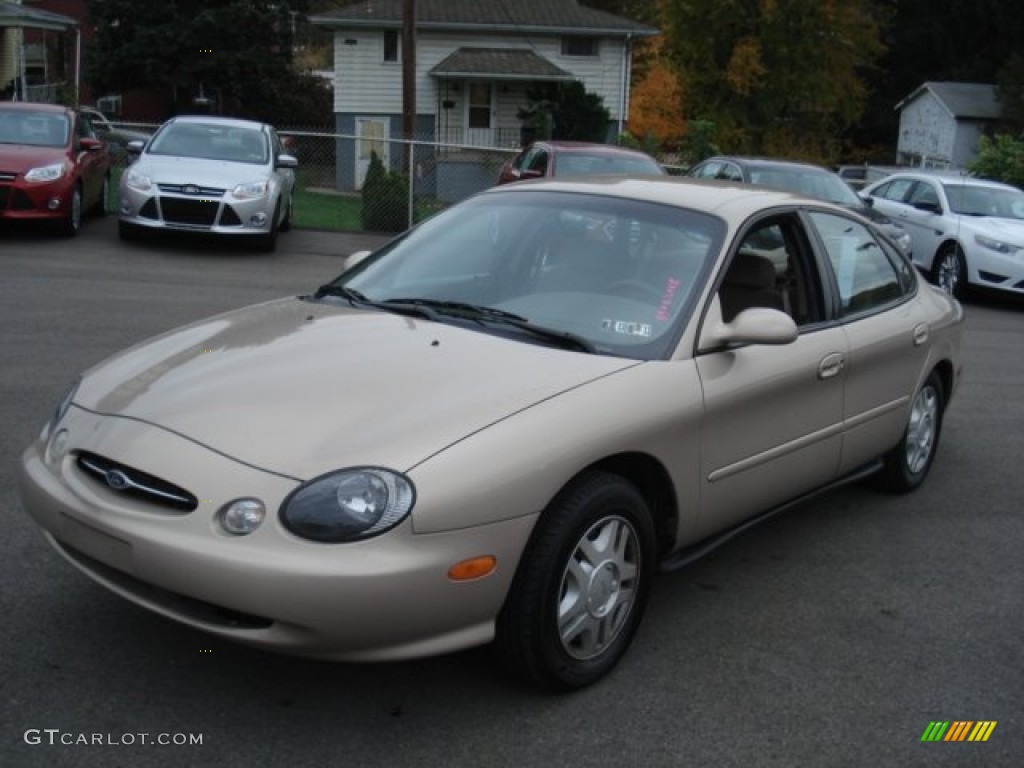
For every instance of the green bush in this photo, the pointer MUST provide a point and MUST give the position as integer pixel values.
(1001, 159)
(385, 199)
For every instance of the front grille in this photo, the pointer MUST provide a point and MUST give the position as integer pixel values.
(21, 202)
(228, 217)
(8, 176)
(133, 482)
(196, 213)
(179, 189)
(5, 193)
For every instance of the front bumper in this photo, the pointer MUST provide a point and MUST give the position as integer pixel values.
(384, 598)
(22, 201)
(990, 269)
(206, 209)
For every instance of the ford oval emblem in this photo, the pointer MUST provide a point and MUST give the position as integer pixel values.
(190, 189)
(118, 480)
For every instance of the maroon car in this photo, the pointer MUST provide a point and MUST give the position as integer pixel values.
(52, 166)
(576, 158)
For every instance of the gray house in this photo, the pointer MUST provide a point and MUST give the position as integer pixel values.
(476, 61)
(940, 123)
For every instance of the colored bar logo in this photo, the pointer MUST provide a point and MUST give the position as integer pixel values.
(958, 730)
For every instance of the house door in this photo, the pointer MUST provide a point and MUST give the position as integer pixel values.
(372, 136)
(479, 114)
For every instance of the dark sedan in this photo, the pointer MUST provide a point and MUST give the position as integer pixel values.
(803, 179)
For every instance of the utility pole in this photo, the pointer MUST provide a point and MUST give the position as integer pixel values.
(409, 69)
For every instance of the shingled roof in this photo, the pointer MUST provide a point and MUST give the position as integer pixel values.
(977, 101)
(551, 16)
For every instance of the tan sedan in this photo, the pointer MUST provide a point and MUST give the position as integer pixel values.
(501, 424)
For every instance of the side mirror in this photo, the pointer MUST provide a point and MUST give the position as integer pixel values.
(286, 161)
(868, 200)
(530, 173)
(135, 146)
(356, 258)
(757, 325)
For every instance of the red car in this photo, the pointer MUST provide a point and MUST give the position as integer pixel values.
(576, 158)
(52, 166)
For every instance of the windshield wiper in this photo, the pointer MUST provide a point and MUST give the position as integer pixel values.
(484, 314)
(358, 299)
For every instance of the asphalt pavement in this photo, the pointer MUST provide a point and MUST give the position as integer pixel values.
(832, 635)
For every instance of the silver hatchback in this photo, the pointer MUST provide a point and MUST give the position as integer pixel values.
(210, 174)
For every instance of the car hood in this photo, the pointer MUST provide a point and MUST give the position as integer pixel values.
(1012, 229)
(21, 158)
(302, 388)
(221, 174)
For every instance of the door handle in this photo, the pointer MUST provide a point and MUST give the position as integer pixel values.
(921, 333)
(831, 365)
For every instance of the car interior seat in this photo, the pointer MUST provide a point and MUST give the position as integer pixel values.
(749, 282)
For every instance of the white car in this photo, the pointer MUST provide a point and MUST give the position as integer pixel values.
(210, 174)
(965, 231)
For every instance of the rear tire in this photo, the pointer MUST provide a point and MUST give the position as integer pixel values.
(581, 587)
(907, 465)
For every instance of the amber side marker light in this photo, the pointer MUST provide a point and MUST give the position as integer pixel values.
(474, 568)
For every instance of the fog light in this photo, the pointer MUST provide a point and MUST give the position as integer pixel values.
(58, 446)
(53, 203)
(126, 209)
(242, 516)
(258, 219)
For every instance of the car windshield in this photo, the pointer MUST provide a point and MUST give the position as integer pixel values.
(579, 164)
(617, 276)
(976, 200)
(819, 185)
(211, 142)
(38, 129)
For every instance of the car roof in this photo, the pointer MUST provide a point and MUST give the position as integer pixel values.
(564, 145)
(226, 122)
(947, 178)
(725, 198)
(32, 106)
(752, 161)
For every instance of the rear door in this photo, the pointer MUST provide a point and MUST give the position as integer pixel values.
(886, 336)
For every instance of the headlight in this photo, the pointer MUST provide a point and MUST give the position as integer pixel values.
(252, 190)
(137, 181)
(46, 173)
(348, 505)
(996, 245)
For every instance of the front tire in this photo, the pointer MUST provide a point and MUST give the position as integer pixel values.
(72, 222)
(581, 587)
(907, 465)
(949, 271)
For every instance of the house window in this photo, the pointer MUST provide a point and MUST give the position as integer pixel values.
(390, 45)
(579, 46)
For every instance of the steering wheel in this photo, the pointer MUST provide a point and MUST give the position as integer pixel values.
(634, 289)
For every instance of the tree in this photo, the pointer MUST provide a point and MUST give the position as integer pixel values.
(579, 115)
(781, 77)
(1001, 158)
(656, 106)
(235, 52)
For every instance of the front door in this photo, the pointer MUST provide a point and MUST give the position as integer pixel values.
(372, 137)
(480, 114)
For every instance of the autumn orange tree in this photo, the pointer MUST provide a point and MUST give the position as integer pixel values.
(780, 77)
(656, 100)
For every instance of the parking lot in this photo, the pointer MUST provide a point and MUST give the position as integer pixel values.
(830, 636)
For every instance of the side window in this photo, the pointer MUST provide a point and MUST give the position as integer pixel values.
(730, 172)
(867, 274)
(895, 190)
(772, 268)
(924, 194)
(539, 162)
(708, 171)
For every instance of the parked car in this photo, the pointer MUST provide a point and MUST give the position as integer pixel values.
(501, 424)
(116, 138)
(545, 159)
(966, 231)
(859, 176)
(52, 165)
(210, 174)
(803, 179)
